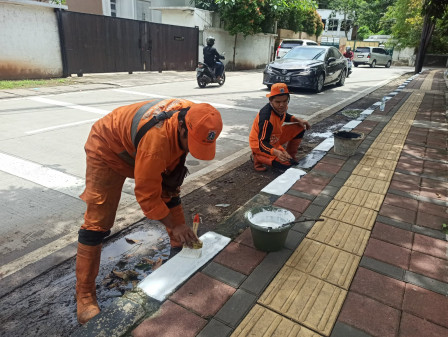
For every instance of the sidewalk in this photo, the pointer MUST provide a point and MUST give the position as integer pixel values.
(376, 266)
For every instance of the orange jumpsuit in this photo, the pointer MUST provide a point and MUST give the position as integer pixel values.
(158, 152)
(269, 133)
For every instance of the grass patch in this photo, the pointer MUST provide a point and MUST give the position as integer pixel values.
(22, 84)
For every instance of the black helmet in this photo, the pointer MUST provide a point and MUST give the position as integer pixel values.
(348, 48)
(210, 41)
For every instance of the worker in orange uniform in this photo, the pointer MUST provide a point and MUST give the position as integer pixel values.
(268, 133)
(146, 141)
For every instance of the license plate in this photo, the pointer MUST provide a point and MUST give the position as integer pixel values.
(283, 78)
(360, 56)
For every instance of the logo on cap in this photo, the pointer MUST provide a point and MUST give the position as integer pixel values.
(211, 136)
(282, 90)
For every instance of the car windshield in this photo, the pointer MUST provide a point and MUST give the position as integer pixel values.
(291, 44)
(305, 53)
(362, 50)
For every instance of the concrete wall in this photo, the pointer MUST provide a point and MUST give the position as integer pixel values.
(251, 52)
(29, 40)
(187, 17)
(403, 56)
(85, 6)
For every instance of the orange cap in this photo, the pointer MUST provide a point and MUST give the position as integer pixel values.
(204, 125)
(278, 89)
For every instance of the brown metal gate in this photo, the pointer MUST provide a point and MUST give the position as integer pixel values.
(102, 44)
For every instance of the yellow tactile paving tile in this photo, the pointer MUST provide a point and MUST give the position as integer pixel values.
(350, 214)
(427, 83)
(325, 262)
(377, 151)
(373, 172)
(391, 139)
(360, 197)
(340, 235)
(262, 322)
(372, 161)
(367, 184)
(304, 299)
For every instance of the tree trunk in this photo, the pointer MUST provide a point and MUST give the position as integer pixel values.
(427, 30)
(234, 52)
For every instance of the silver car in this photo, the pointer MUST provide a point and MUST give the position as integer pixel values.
(372, 56)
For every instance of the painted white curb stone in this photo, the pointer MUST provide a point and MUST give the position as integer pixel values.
(164, 280)
(283, 183)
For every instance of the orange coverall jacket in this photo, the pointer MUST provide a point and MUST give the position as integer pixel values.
(158, 152)
(269, 133)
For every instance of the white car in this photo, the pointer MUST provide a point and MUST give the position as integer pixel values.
(287, 44)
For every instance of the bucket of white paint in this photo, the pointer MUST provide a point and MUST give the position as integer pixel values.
(346, 142)
(269, 226)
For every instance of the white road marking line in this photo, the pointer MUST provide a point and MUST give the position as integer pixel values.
(44, 176)
(62, 126)
(68, 105)
(216, 105)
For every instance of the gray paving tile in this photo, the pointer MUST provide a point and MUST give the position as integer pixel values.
(330, 191)
(262, 275)
(343, 330)
(429, 232)
(322, 200)
(303, 227)
(337, 182)
(224, 274)
(382, 268)
(313, 211)
(215, 328)
(343, 174)
(293, 239)
(395, 223)
(236, 308)
(300, 194)
(426, 282)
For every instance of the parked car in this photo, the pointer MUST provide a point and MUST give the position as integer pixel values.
(287, 44)
(372, 56)
(310, 67)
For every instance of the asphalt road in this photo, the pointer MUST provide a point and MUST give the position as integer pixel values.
(42, 162)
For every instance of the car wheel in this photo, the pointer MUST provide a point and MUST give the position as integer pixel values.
(319, 83)
(355, 64)
(342, 78)
(373, 64)
(388, 64)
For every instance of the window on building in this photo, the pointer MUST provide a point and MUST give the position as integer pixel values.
(333, 24)
(113, 8)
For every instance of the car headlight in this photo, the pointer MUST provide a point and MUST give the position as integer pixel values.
(268, 69)
(307, 71)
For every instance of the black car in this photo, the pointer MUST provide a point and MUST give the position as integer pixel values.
(308, 67)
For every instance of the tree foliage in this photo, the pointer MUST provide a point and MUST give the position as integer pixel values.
(350, 9)
(372, 15)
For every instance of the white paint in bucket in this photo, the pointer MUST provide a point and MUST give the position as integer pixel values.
(271, 218)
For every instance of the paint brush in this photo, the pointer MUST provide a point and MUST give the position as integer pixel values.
(196, 251)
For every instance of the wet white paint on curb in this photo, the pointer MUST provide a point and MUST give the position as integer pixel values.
(283, 183)
(165, 280)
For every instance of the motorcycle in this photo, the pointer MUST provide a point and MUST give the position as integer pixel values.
(206, 75)
(349, 67)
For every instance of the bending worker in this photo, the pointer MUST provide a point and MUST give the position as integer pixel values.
(268, 133)
(146, 141)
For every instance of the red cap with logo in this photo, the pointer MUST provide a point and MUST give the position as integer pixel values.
(204, 125)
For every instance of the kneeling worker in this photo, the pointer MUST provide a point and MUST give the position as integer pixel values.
(146, 141)
(268, 133)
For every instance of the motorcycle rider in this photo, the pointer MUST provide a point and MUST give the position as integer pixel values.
(212, 57)
(348, 53)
